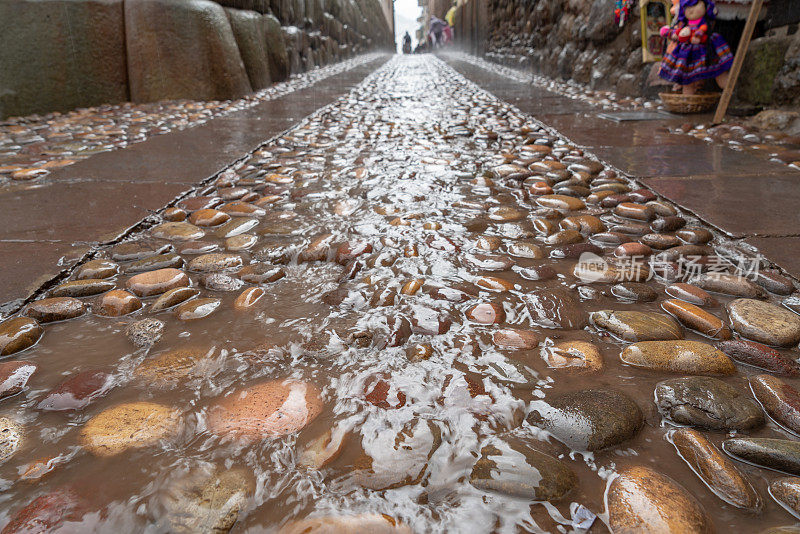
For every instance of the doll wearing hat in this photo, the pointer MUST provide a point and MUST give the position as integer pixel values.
(695, 54)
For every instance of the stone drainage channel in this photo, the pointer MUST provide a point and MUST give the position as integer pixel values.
(385, 321)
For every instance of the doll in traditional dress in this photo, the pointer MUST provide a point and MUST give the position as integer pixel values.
(697, 53)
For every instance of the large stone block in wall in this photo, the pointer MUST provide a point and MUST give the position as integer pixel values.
(277, 56)
(293, 39)
(57, 55)
(182, 49)
(601, 27)
(787, 82)
(764, 60)
(248, 29)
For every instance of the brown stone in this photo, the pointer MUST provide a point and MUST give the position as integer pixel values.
(697, 319)
(18, 334)
(643, 500)
(197, 308)
(177, 231)
(564, 237)
(126, 426)
(580, 356)
(55, 309)
(632, 249)
(214, 262)
(786, 491)
(260, 273)
(97, 269)
(14, 375)
(689, 357)
(708, 403)
(514, 339)
(82, 288)
(691, 294)
(716, 471)
(761, 356)
(561, 202)
(173, 297)
(555, 308)
(78, 391)
(486, 313)
(780, 400)
(536, 476)
(157, 282)
(248, 298)
(116, 303)
(660, 241)
(523, 249)
(208, 217)
(492, 283)
(638, 326)
(177, 364)
(588, 419)
(729, 284)
(631, 210)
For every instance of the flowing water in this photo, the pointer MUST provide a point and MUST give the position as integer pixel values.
(411, 391)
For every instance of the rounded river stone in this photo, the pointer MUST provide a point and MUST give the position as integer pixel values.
(638, 326)
(780, 400)
(764, 322)
(786, 492)
(778, 454)
(522, 472)
(708, 403)
(643, 500)
(127, 426)
(273, 408)
(18, 333)
(691, 357)
(715, 469)
(589, 419)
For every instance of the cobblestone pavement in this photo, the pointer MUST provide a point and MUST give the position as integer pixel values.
(772, 145)
(418, 310)
(32, 146)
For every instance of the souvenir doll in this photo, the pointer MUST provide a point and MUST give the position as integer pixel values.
(696, 53)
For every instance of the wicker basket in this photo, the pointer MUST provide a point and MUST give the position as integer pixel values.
(680, 103)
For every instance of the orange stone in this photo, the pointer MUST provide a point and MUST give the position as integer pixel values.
(273, 408)
(157, 282)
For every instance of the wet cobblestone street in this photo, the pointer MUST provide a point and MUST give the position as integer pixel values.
(414, 311)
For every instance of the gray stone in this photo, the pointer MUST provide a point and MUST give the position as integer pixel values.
(204, 501)
(708, 403)
(57, 55)
(277, 56)
(589, 419)
(248, 29)
(764, 59)
(778, 454)
(145, 333)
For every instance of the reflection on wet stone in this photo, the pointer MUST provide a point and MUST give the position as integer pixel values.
(384, 320)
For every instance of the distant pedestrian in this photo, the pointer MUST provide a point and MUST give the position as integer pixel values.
(436, 32)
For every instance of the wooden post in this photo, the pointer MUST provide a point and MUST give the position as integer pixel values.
(744, 44)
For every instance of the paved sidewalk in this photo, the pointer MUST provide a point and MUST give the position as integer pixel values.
(742, 195)
(47, 229)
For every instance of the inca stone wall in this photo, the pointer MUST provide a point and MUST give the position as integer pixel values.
(57, 55)
(579, 40)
